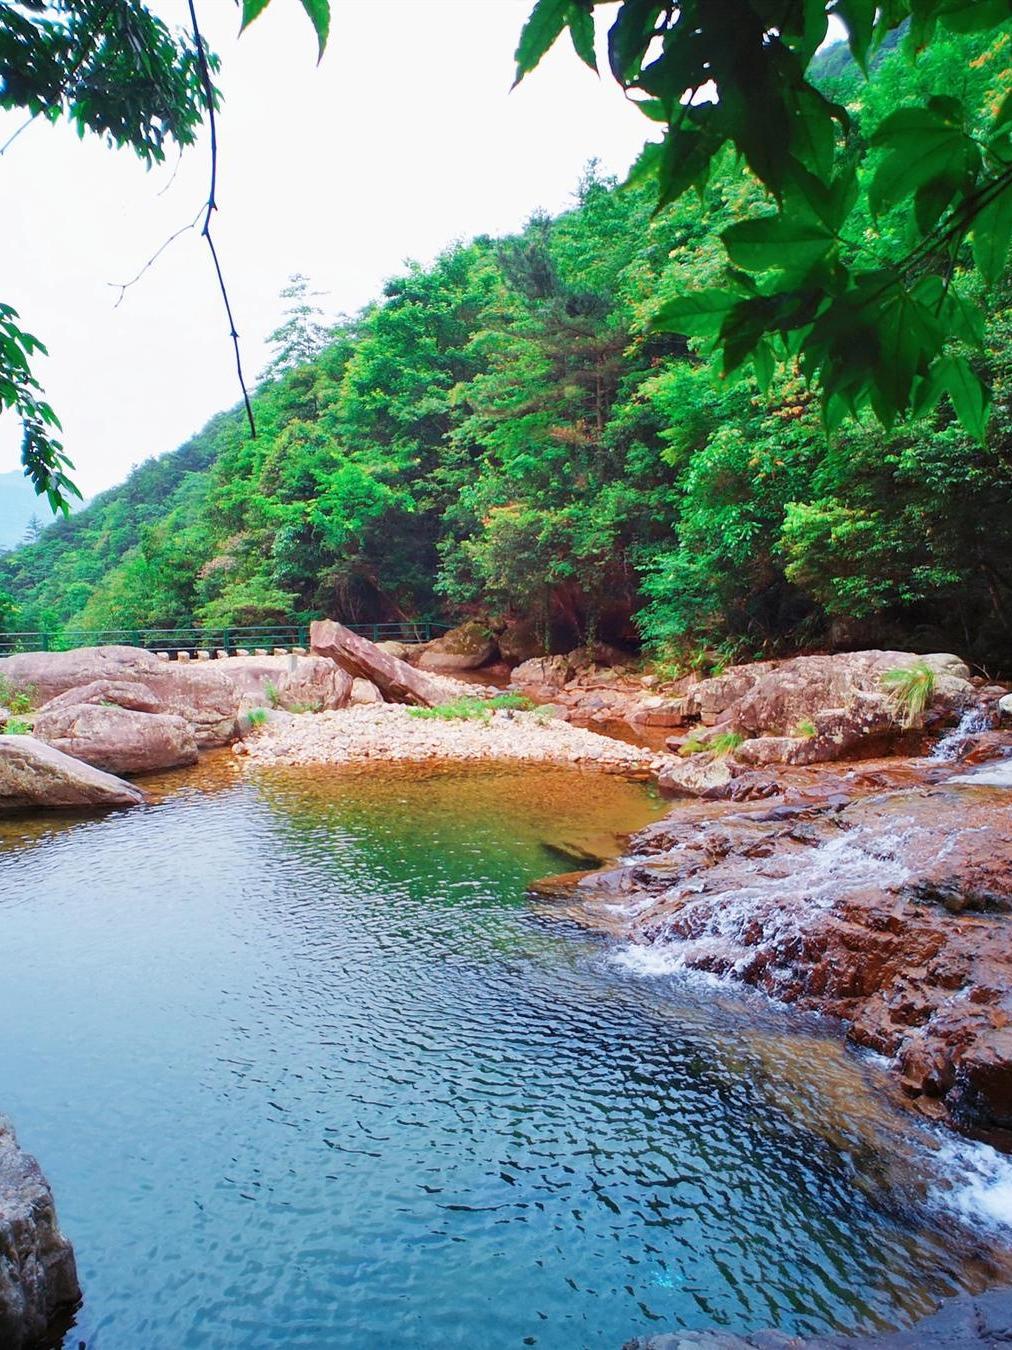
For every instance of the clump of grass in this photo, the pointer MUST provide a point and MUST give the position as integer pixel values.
(910, 688)
(805, 730)
(472, 709)
(273, 694)
(16, 726)
(256, 717)
(692, 746)
(17, 698)
(726, 743)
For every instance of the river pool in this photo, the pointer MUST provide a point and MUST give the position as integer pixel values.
(305, 1067)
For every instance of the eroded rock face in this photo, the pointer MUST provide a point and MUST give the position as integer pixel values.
(38, 1276)
(33, 774)
(544, 674)
(300, 683)
(878, 896)
(123, 693)
(117, 739)
(467, 647)
(198, 692)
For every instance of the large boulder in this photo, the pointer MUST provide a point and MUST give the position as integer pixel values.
(544, 673)
(38, 1275)
(197, 691)
(519, 641)
(773, 697)
(464, 648)
(33, 774)
(363, 660)
(296, 683)
(829, 735)
(116, 739)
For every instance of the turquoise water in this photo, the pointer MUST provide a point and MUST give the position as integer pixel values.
(306, 1068)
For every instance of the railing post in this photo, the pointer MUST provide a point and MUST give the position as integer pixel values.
(45, 641)
(226, 640)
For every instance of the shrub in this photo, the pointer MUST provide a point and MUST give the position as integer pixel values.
(805, 730)
(16, 726)
(17, 699)
(910, 688)
(256, 717)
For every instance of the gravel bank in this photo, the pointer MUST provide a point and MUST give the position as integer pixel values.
(389, 732)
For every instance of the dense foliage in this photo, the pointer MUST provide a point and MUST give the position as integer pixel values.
(505, 433)
(877, 324)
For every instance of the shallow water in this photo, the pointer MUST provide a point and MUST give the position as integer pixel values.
(306, 1069)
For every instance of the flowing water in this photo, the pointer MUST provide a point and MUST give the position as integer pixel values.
(306, 1069)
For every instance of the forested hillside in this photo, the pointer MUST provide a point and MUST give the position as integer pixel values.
(502, 434)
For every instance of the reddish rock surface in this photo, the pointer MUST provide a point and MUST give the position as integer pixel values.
(34, 775)
(879, 895)
(117, 739)
(363, 660)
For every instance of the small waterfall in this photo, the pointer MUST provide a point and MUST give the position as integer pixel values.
(974, 720)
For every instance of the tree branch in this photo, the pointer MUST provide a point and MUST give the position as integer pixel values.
(124, 286)
(212, 206)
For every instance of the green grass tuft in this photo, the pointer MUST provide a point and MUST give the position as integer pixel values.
(15, 726)
(273, 694)
(805, 730)
(911, 688)
(726, 743)
(256, 717)
(17, 698)
(472, 709)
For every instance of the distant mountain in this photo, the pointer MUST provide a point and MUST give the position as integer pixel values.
(18, 503)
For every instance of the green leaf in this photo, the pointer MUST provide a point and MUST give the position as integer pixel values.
(923, 147)
(910, 336)
(789, 243)
(250, 10)
(832, 203)
(859, 18)
(969, 395)
(581, 30)
(547, 20)
(696, 313)
(992, 235)
(630, 36)
(1003, 116)
(973, 16)
(319, 17)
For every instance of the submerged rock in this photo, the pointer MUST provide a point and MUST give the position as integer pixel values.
(967, 1322)
(33, 774)
(38, 1276)
(117, 739)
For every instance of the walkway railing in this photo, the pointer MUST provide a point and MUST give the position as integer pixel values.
(212, 640)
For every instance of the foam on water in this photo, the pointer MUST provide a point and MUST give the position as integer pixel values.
(976, 1183)
(996, 774)
(974, 720)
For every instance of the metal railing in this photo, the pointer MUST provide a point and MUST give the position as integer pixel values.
(230, 640)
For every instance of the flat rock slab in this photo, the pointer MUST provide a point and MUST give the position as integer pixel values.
(33, 774)
(38, 1275)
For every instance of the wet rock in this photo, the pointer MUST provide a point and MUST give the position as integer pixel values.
(463, 648)
(1005, 706)
(697, 776)
(33, 774)
(117, 739)
(877, 896)
(38, 1276)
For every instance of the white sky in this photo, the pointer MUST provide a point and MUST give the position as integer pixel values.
(405, 138)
